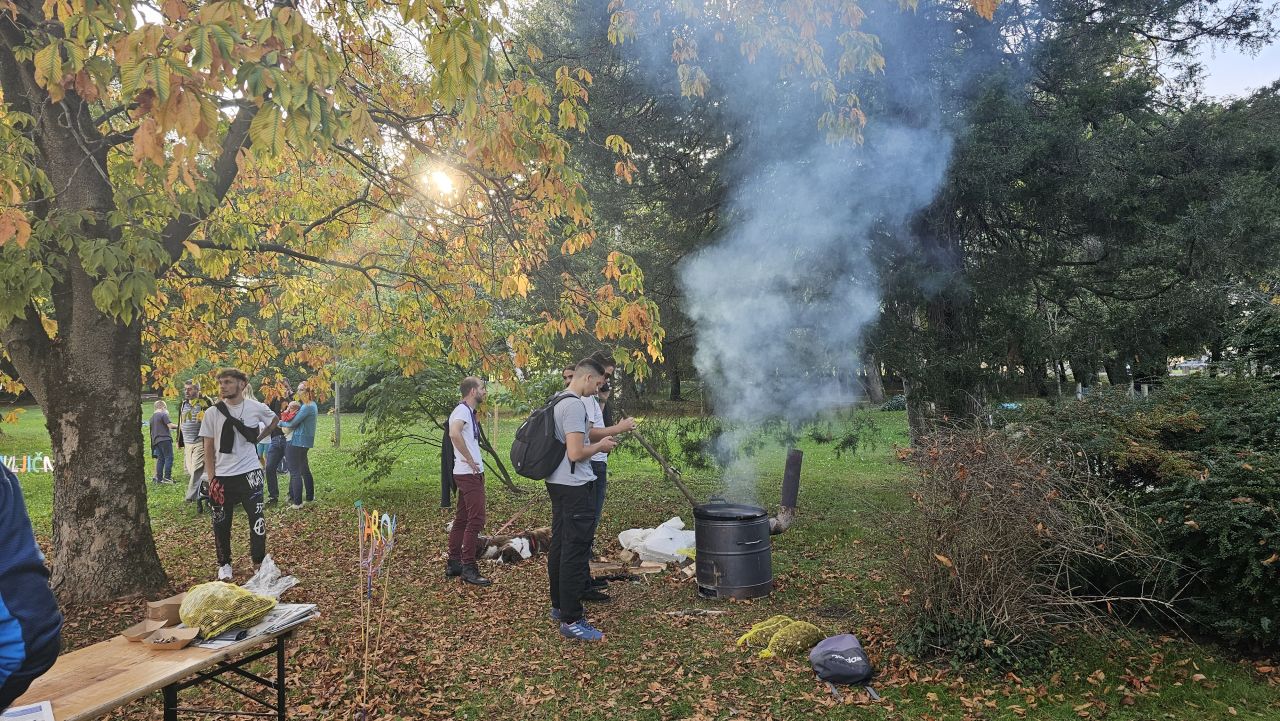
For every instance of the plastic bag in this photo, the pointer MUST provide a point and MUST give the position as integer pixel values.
(269, 580)
(664, 544)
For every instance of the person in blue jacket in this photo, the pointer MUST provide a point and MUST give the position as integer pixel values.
(30, 622)
(300, 443)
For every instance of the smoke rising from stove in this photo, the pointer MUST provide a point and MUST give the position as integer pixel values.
(780, 300)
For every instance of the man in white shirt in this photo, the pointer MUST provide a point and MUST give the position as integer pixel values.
(572, 489)
(600, 461)
(231, 430)
(468, 478)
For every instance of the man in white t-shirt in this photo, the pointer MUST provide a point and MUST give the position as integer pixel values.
(231, 430)
(600, 461)
(572, 489)
(468, 478)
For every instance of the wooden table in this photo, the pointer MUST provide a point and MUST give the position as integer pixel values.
(91, 681)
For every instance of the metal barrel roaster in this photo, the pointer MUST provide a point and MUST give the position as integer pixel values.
(733, 540)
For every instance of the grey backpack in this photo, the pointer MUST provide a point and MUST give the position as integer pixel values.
(841, 660)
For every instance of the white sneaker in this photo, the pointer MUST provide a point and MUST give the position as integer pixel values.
(296, 506)
(224, 573)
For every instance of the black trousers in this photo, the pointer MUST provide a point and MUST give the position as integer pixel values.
(246, 490)
(573, 518)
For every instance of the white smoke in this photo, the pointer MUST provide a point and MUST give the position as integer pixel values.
(781, 299)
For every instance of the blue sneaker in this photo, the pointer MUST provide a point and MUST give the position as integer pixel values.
(581, 631)
(555, 614)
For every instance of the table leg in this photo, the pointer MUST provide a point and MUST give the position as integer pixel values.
(171, 702)
(280, 707)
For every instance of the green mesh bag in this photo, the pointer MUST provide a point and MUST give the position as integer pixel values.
(762, 632)
(795, 636)
(217, 607)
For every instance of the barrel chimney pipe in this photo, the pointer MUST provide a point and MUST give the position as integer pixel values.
(790, 493)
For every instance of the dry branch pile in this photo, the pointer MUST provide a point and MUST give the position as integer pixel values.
(1006, 541)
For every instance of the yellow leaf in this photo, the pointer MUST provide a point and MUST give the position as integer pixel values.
(944, 560)
(985, 8)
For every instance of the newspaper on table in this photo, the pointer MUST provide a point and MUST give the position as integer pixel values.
(42, 711)
(280, 618)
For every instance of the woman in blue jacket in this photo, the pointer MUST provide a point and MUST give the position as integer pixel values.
(30, 623)
(304, 437)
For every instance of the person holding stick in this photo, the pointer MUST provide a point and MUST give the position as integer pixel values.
(600, 461)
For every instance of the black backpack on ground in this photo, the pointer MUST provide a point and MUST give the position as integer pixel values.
(536, 451)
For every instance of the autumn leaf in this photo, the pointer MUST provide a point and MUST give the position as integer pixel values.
(985, 8)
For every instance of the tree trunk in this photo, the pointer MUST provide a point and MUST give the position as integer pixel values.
(88, 384)
(1083, 371)
(875, 381)
(102, 541)
(673, 372)
(87, 376)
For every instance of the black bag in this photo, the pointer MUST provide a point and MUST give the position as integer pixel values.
(536, 451)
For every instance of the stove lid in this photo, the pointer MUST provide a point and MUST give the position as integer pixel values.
(725, 511)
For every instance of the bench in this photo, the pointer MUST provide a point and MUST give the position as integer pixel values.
(91, 681)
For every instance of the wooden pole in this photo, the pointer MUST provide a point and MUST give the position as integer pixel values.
(667, 469)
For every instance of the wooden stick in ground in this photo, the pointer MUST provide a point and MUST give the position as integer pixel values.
(518, 513)
(667, 469)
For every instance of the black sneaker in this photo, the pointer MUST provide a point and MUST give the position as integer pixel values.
(272, 501)
(452, 569)
(598, 584)
(471, 575)
(596, 596)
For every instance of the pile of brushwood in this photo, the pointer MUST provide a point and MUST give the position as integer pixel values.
(1008, 542)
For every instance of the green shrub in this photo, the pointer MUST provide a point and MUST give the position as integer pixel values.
(1199, 462)
(1225, 529)
(896, 403)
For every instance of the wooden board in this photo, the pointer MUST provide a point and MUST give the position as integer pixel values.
(91, 681)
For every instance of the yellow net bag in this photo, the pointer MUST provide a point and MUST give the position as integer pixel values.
(762, 632)
(217, 607)
(795, 636)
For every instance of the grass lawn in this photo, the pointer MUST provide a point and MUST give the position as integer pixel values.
(451, 651)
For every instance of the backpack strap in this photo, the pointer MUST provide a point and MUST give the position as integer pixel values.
(554, 403)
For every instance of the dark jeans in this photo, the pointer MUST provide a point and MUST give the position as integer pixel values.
(164, 459)
(601, 469)
(573, 516)
(275, 457)
(464, 536)
(246, 490)
(300, 475)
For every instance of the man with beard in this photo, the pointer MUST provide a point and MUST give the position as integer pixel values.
(231, 431)
(468, 477)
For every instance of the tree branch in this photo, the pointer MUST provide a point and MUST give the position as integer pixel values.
(30, 349)
(179, 229)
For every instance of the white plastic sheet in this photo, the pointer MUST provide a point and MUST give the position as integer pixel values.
(660, 545)
(270, 580)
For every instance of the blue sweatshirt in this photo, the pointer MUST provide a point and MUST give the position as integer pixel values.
(303, 425)
(30, 623)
